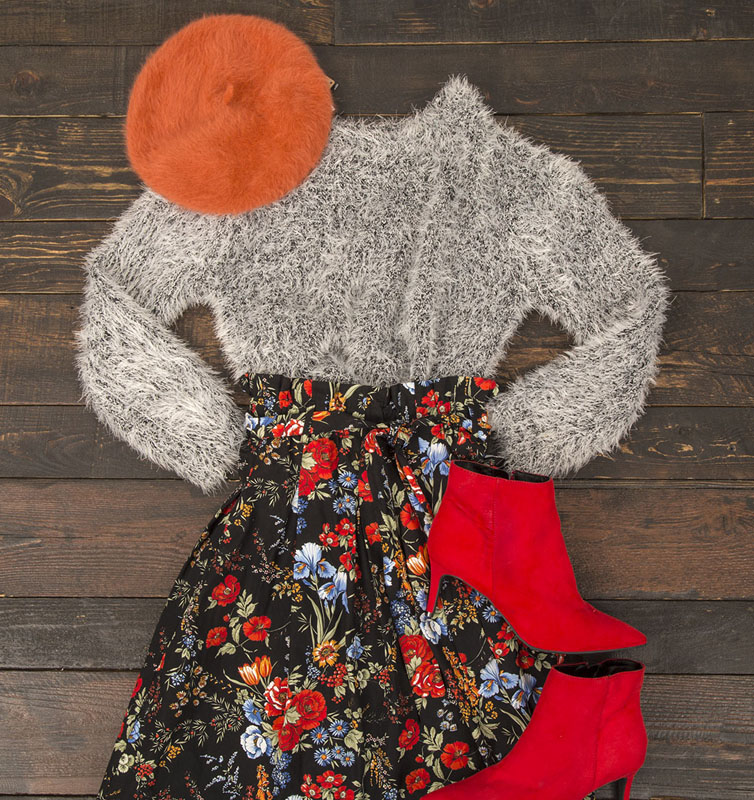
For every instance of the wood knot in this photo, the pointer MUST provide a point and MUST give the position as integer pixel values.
(26, 83)
(7, 207)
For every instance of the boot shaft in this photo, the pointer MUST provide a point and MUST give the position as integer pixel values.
(610, 690)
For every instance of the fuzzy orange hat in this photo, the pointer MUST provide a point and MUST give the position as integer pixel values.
(228, 114)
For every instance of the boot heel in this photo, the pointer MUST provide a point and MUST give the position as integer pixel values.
(624, 788)
(435, 576)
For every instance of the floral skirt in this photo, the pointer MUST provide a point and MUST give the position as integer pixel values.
(294, 658)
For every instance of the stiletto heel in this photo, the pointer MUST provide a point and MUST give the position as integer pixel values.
(435, 577)
(624, 788)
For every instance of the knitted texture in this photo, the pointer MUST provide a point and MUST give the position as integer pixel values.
(415, 248)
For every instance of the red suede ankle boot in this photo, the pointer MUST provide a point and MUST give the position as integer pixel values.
(502, 536)
(586, 731)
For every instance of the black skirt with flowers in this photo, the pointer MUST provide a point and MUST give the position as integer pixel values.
(294, 657)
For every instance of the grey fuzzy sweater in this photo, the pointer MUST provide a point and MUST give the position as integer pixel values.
(414, 249)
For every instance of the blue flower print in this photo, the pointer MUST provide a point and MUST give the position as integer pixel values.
(252, 714)
(432, 627)
(434, 456)
(338, 728)
(355, 649)
(388, 565)
(494, 681)
(133, 734)
(527, 688)
(334, 589)
(253, 742)
(323, 757)
(319, 735)
(348, 480)
(250, 423)
(344, 504)
(309, 562)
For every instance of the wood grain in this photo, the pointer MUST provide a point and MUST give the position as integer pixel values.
(729, 167)
(666, 443)
(701, 255)
(54, 168)
(114, 633)
(658, 154)
(696, 255)
(361, 21)
(707, 358)
(126, 538)
(622, 77)
(60, 729)
(46, 256)
(147, 21)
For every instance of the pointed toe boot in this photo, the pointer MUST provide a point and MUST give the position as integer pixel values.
(501, 534)
(586, 732)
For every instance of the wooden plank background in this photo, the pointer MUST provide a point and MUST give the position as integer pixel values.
(654, 97)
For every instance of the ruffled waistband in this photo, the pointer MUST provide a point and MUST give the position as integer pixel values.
(275, 397)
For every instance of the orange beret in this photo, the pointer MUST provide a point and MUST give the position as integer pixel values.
(228, 114)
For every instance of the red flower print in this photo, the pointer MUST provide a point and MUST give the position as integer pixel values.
(285, 399)
(409, 736)
(499, 649)
(506, 632)
(345, 527)
(370, 443)
(226, 592)
(277, 694)
(307, 482)
(463, 436)
(408, 474)
(409, 518)
(345, 560)
(365, 493)
(373, 532)
(343, 793)
(309, 789)
(162, 663)
(330, 778)
(325, 455)
(328, 538)
(485, 383)
(414, 645)
(137, 686)
(444, 408)
(430, 398)
(524, 658)
(216, 636)
(438, 431)
(256, 628)
(288, 735)
(454, 755)
(311, 708)
(416, 780)
(427, 680)
(308, 387)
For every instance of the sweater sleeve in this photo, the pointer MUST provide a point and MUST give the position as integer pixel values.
(141, 380)
(584, 270)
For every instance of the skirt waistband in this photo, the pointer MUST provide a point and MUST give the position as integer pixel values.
(279, 396)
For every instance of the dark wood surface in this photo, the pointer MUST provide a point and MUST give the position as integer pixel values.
(654, 97)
